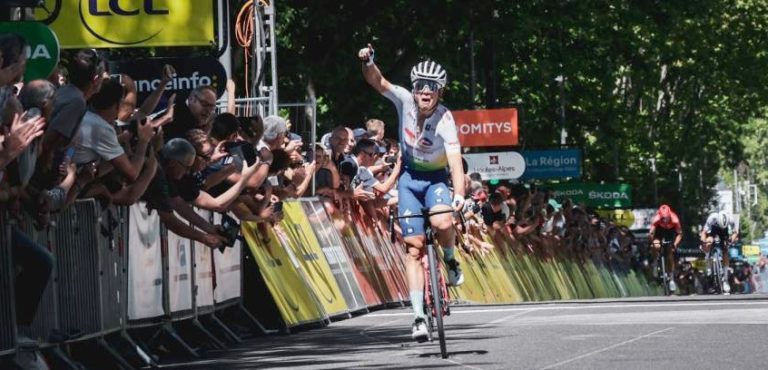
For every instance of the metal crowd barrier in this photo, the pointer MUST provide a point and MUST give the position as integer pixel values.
(116, 269)
(46, 320)
(7, 306)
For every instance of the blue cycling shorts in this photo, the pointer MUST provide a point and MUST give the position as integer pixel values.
(417, 190)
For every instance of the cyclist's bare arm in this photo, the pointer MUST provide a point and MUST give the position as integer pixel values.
(678, 239)
(457, 173)
(371, 71)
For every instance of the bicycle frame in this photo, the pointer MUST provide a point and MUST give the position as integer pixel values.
(436, 297)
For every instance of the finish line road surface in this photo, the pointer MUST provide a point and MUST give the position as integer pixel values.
(659, 333)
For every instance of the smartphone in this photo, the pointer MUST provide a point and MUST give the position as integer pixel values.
(243, 150)
(309, 156)
(117, 77)
(33, 112)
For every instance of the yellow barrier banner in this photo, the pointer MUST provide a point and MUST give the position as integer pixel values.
(750, 250)
(293, 297)
(306, 247)
(130, 23)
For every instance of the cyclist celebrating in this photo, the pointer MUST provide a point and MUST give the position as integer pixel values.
(666, 228)
(429, 142)
(721, 225)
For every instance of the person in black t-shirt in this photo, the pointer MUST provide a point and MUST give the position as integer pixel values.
(196, 112)
(173, 189)
(493, 215)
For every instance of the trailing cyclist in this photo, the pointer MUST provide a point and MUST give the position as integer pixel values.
(720, 226)
(666, 233)
(429, 142)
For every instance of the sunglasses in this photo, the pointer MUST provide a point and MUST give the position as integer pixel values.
(426, 86)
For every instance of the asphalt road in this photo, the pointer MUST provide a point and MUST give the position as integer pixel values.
(664, 333)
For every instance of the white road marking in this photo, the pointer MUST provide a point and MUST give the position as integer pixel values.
(606, 349)
(582, 307)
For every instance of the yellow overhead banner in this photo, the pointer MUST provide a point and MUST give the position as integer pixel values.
(130, 23)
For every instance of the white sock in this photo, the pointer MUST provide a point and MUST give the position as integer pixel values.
(417, 302)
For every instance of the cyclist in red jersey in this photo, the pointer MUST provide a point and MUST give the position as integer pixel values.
(665, 228)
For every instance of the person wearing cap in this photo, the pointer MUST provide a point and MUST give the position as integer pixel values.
(364, 155)
(360, 133)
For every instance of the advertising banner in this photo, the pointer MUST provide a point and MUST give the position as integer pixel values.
(497, 165)
(227, 267)
(621, 217)
(203, 269)
(179, 273)
(292, 295)
(190, 73)
(365, 270)
(552, 164)
(330, 242)
(596, 195)
(306, 247)
(129, 23)
(387, 282)
(145, 267)
(751, 253)
(43, 52)
(488, 127)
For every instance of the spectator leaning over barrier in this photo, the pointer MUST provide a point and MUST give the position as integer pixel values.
(14, 50)
(327, 175)
(32, 263)
(98, 138)
(172, 188)
(375, 128)
(365, 152)
(128, 104)
(86, 73)
(224, 136)
(196, 112)
(36, 96)
(251, 129)
(342, 141)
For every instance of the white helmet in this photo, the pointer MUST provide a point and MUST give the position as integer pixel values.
(722, 219)
(429, 70)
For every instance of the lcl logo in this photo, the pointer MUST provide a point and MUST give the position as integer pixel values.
(122, 22)
(115, 8)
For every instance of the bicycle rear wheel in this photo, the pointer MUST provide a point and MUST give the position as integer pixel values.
(437, 297)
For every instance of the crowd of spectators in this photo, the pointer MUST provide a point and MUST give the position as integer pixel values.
(82, 134)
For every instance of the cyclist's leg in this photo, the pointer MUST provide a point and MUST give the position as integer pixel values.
(655, 249)
(413, 234)
(438, 198)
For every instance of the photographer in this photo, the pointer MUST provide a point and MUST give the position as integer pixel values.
(98, 138)
(172, 188)
(235, 153)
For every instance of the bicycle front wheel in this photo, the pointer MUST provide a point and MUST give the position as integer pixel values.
(437, 298)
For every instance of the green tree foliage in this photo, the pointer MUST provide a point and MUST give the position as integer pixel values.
(675, 81)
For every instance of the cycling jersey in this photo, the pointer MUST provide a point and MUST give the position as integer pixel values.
(712, 228)
(423, 183)
(423, 150)
(672, 224)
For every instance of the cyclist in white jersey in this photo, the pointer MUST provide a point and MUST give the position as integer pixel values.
(429, 143)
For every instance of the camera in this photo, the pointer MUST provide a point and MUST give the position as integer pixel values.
(277, 207)
(391, 160)
(230, 232)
